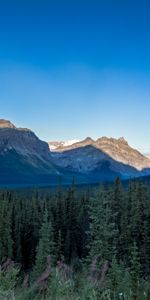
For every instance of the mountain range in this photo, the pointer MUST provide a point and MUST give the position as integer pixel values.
(25, 159)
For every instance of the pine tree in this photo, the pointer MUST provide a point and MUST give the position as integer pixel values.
(102, 228)
(6, 242)
(135, 272)
(71, 228)
(45, 247)
(59, 251)
(117, 208)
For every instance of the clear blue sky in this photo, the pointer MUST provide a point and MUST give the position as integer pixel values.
(71, 69)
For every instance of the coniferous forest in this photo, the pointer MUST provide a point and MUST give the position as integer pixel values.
(71, 243)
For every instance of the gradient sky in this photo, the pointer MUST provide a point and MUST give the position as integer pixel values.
(71, 69)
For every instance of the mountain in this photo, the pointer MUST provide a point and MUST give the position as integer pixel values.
(24, 158)
(105, 155)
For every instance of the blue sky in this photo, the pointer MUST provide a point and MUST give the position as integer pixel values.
(71, 69)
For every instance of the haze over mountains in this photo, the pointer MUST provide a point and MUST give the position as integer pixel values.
(24, 158)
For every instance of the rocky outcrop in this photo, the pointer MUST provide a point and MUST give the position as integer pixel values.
(6, 124)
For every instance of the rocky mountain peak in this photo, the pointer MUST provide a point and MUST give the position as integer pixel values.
(122, 140)
(6, 124)
(111, 140)
(103, 139)
(88, 140)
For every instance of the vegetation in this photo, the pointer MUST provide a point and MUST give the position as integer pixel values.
(71, 244)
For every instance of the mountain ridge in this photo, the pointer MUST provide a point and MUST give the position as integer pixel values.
(117, 149)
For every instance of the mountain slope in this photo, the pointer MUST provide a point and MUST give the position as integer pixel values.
(23, 157)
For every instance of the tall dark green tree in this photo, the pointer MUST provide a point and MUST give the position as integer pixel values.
(135, 272)
(45, 246)
(102, 227)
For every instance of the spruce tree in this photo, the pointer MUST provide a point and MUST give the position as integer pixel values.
(45, 247)
(102, 227)
(135, 271)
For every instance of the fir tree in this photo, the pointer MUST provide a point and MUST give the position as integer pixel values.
(135, 272)
(45, 246)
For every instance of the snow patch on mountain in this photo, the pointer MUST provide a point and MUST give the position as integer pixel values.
(62, 144)
(69, 143)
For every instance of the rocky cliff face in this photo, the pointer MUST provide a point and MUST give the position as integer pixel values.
(120, 150)
(22, 140)
(23, 156)
(6, 124)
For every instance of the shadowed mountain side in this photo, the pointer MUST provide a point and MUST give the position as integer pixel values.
(16, 169)
(95, 164)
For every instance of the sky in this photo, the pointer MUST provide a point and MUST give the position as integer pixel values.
(72, 69)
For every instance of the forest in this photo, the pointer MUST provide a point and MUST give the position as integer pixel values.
(77, 244)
